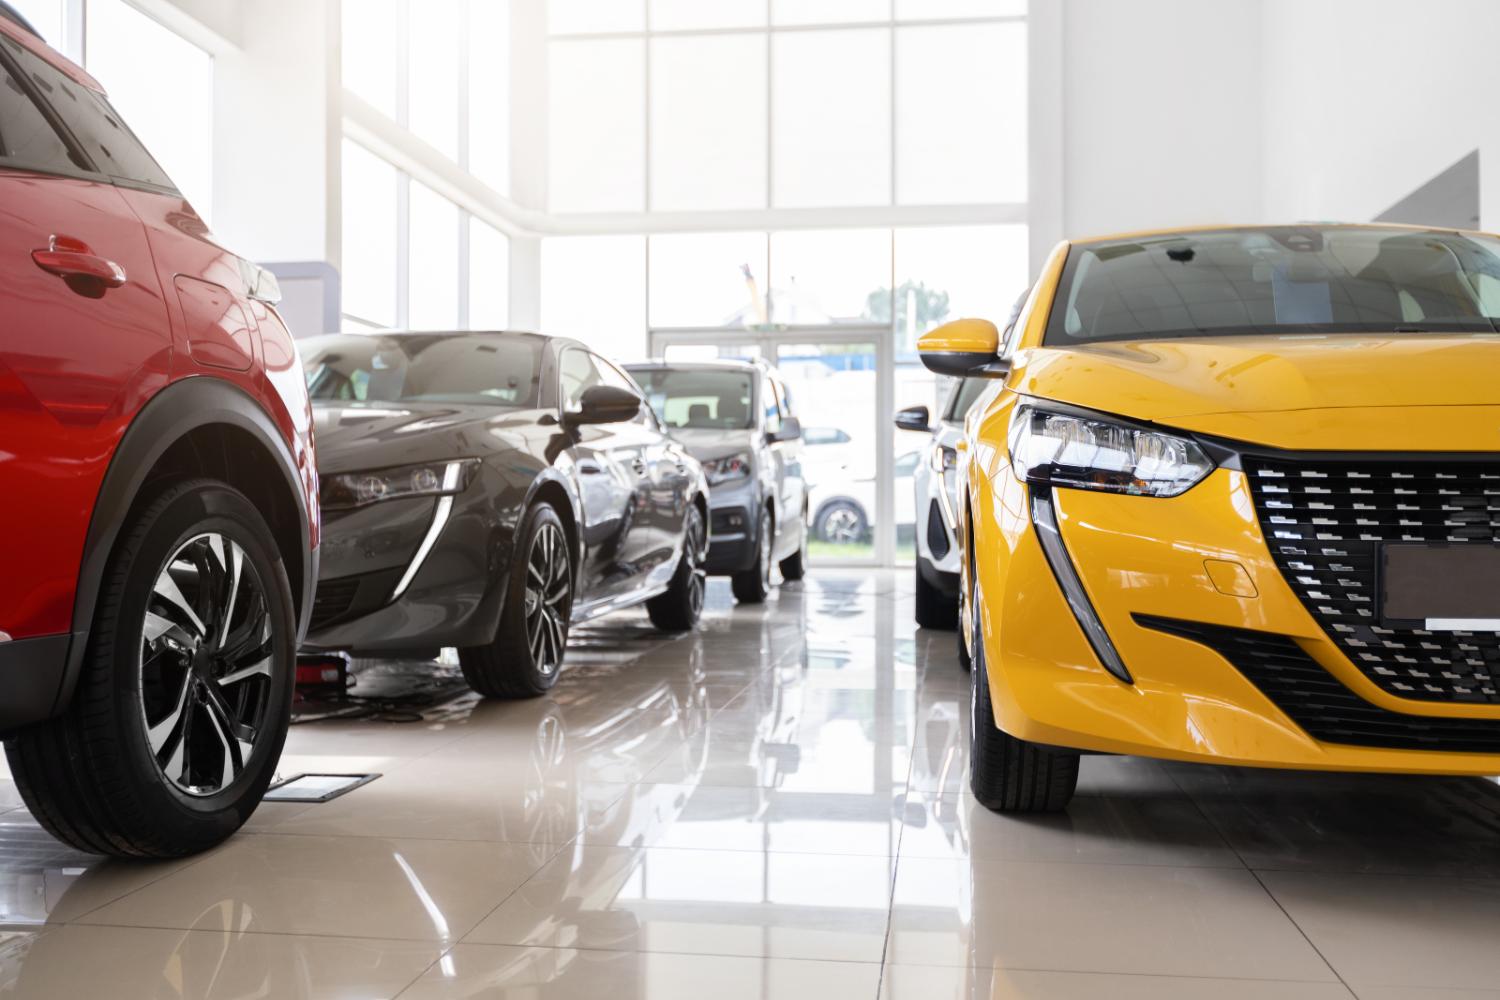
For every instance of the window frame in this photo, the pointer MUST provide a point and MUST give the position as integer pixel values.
(31, 92)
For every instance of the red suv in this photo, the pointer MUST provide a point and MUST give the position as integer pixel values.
(158, 492)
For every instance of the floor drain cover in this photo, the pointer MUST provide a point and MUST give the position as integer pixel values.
(316, 787)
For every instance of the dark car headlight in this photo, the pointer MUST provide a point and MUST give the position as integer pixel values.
(727, 469)
(1049, 447)
(429, 479)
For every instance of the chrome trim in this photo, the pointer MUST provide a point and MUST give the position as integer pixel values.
(451, 476)
(1044, 518)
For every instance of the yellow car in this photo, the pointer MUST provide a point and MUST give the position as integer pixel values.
(1235, 498)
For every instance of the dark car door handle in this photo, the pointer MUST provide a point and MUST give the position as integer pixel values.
(589, 469)
(70, 258)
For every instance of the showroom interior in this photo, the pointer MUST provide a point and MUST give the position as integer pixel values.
(825, 689)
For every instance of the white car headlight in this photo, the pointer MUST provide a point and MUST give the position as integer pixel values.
(728, 468)
(1063, 449)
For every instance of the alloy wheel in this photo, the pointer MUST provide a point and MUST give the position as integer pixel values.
(697, 575)
(841, 526)
(548, 598)
(206, 655)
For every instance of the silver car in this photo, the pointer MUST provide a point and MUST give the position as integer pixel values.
(736, 418)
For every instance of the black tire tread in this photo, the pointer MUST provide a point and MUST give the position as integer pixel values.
(672, 610)
(935, 609)
(749, 586)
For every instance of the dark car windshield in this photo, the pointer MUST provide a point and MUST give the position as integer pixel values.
(699, 398)
(489, 369)
(1279, 280)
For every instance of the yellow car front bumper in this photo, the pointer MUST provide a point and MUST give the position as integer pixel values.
(1200, 561)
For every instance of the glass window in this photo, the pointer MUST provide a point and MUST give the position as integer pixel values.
(832, 130)
(961, 114)
(597, 129)
(46, 16)
(680, 15)
(828, 11)
(489, 93)
(594, 290)
(708, 280)
(485, 369)
(703, 398)
(1283, 279)
(770, 405)
(708, 122)
(965, 393)
(578, 372)
(369, 236)
(833, 276)
(489, 277)
(432, 271)
(593, 16)
(370, 53)
(27, 139)
(949, 272)
(435, 30)
(933, 10)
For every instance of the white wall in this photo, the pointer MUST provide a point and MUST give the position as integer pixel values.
(1161, 113)
(1365, 100)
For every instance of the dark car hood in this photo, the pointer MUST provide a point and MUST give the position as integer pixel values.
(707, 444)
(355, 436)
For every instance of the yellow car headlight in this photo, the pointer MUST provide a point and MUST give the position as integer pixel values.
(1055, 447)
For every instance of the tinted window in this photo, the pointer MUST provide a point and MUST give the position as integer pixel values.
(483, 368)
(114, 148)
(824, 435)
(964, 395)
(613, 376)
(700, 398)
(27, 139)
(1293, 279)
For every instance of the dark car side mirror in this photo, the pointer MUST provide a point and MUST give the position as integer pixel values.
(604, 404)
(791, 430)
(914, 418)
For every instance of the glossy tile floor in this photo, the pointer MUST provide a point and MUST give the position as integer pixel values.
(773, 808)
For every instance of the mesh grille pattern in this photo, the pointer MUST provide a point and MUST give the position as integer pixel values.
(1324, 708)
(1324, 522)
(333, 600)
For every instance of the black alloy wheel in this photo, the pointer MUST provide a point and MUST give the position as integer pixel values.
(548, 598)
(680, 606)
(753, 586)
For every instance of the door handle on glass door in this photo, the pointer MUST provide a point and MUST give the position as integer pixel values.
(639, 465)
(76, 263)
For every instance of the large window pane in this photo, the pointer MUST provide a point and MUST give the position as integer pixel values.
(578, 16)
(597, 127)
(46, 16)
(708, 280)
(143, 60)
(948, 272)
(432, 269)
(369, 214)
(832, 130)
(838, 276)
(961, 113)
(489, 93)
(436, 27)
(370, 53)
(594, 289)
(679, 15)
(708, 122)
(828, 11)
(489, 277)
(932, 10)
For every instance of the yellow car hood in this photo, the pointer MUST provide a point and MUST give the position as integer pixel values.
(1422, 392)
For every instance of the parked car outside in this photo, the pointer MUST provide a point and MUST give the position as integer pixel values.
(844, 508)
(157, 482)
(933, 497)
(488, 491)
(1233, 500)
(737, 419)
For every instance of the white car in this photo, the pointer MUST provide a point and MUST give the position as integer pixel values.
(843, 506)
(933, 494)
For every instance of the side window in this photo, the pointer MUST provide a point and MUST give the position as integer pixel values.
(577, 374)
(113, 147)
(610, 375)
(27, 139)
(771, 405)
(1009, 336)
(785, 396)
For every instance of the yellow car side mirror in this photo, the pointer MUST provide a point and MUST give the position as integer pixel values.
(966, 348)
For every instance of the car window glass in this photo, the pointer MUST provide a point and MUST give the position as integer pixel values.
(578, 374)
(906, 465)
(104, 136)
(702, 399)
(27, 138)
(1008, 338)
(964, 394)
(610, 375)
(770, 406)
(473, 369)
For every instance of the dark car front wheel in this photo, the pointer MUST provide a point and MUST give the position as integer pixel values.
(678, 609)
(527, 654)
(753, 586)
(183, 703)
(794, 566)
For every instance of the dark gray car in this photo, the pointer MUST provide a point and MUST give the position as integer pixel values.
(488, 490)
(736, 418)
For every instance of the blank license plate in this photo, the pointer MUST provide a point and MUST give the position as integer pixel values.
(1449, 588)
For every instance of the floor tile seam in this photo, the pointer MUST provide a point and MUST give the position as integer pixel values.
(436, 943)
(890, 907)
(678, 953)
(1006, 967)
(1082, 862)
(193, 862)
(442, 954)
(1346, 873)
(408, 837)
(749, 850)
(1301, 930)
(459, 938)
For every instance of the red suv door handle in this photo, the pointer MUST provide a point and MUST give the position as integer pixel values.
(70, 258)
